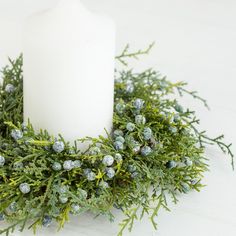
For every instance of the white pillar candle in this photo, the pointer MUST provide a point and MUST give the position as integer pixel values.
(68, 71)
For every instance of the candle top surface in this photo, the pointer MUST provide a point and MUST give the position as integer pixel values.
(71, 5)
(69, 13)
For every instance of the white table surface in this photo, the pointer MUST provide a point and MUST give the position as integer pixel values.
(195, 42)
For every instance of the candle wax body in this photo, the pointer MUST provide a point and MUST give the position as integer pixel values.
(69, 71)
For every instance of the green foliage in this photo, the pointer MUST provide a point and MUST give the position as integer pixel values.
(141, 183)
(126, 54)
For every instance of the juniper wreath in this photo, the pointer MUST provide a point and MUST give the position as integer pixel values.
(155, 150)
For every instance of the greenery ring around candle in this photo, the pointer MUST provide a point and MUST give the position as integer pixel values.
(155, 150)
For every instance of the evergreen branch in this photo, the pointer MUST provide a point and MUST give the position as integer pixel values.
(128, 222)
(24, 223)
(126, 54)
(10, 228)
(10, 124)
(181, 90)
(225, 148)
(48, 189)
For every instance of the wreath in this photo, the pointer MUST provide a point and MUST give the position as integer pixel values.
(154, 150)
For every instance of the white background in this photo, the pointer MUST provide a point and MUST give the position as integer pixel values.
(195, 42)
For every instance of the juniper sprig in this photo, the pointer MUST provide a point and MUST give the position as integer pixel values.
(155, 149)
